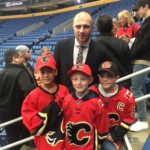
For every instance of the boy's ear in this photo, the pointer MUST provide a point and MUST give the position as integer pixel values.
(56, 72)
(117, 77)
(91, 80)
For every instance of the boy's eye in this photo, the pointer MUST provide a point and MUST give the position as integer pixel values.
(108, 75)
(46, 71)
(74, 79)
(83, 79)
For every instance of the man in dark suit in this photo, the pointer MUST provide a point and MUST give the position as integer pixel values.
(67, 51)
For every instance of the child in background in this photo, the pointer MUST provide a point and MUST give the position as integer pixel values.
(84, 116)
(41, 109)
(118, 101)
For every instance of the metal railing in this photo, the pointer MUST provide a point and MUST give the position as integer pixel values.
(32, 137)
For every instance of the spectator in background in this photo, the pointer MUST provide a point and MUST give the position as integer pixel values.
(136, 17)
(80, 48)
(141, 54)
(115, 26)
(46, 50)
(15, 84)
(118, 48)
(128, 27)
(26, 54)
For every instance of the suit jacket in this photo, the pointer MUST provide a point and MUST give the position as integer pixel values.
(64, 58)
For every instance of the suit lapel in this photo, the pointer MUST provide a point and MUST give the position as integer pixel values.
(90, 51)
(70, 52)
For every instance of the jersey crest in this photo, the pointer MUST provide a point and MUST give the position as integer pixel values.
(78, 133)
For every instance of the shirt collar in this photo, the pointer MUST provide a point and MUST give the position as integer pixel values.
(106, 94)
(85, 44)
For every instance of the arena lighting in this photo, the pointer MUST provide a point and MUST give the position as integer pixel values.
(79, 1)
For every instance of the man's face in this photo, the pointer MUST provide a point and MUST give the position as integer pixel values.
(142, 12)
(27, 56)
(82, 27)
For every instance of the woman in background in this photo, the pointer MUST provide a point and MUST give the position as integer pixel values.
(128, 27)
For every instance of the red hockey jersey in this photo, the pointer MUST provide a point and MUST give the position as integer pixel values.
(121, 107)
(82, 119)
(43, 117)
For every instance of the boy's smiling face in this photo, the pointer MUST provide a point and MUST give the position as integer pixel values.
(47, 75)
(107, 81)
(80, 82)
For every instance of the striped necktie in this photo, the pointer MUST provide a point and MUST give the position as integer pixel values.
(80, 55)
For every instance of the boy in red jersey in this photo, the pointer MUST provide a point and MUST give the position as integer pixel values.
(83, 113)
(41, 109)
(118, 101)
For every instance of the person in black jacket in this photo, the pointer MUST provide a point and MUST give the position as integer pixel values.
(26, 54)
(15, 84)
(116, 47)
(141, 54)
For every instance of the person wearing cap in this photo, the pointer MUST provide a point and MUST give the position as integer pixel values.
(83, 112)
(140, 52)
(14, 86)
(25, 52)
(41, 109)
(118, 101)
